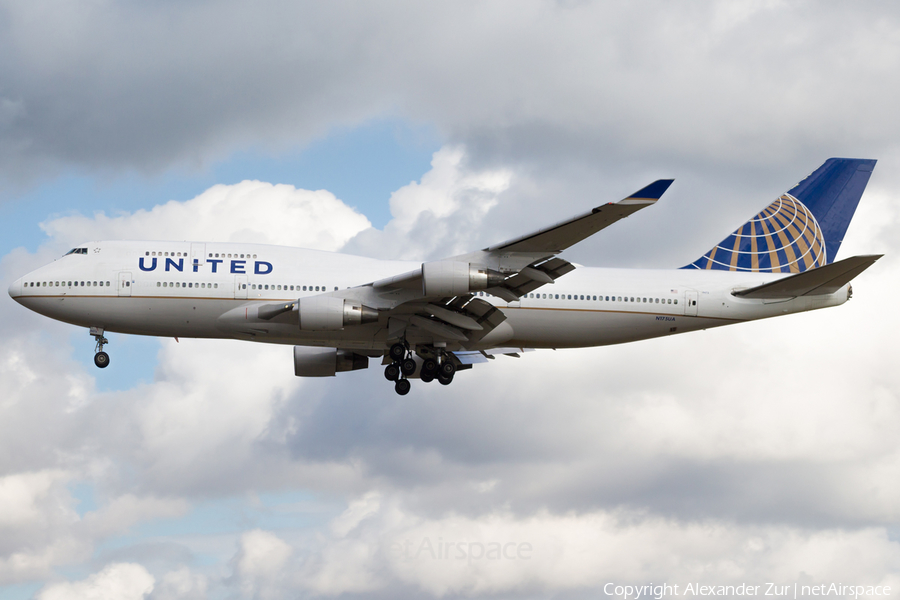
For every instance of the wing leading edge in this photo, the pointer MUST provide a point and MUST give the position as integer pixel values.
(558, 237)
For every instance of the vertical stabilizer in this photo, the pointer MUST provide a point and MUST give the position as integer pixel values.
(800, 230)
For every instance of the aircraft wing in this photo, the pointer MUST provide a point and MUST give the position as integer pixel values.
(439, 303)
(558, 237)
(527, 262)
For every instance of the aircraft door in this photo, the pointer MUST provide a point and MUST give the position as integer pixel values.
(124, 284)
(198, 254)
(240, 287)
(691, 298)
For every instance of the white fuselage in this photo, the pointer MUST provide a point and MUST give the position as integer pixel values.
(184, 289)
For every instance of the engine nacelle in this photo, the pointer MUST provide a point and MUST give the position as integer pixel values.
(325, 362)
(327, 313)
(451, 278)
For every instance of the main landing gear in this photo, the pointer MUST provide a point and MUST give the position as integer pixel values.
(101, 358)
(437, 364)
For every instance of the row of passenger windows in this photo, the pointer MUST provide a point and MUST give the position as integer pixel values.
(297, 288)
(595, 298)
(190, 284)
(184, 254)
(293, 288)
(66, 283)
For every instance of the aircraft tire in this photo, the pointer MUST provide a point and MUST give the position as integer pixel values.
(427, 377)
(408, 367)
(430, 366)
(397, 351)
(402, 386)
(448, 369)
(445, 379)
(392, 372)
(101, 359)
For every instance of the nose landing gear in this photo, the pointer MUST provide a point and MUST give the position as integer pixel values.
(101, 358)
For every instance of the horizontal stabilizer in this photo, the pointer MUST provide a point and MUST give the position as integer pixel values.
(822, 280)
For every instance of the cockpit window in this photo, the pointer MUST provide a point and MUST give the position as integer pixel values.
(76, 251)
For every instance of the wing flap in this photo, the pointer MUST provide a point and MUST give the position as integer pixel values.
(826, 279)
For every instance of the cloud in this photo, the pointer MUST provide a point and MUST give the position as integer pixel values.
(120, 581)
(438, 216)
(250, 211)
(261, 557)
(546, 84)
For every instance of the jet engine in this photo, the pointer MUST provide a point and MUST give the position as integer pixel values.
(325, 362)
(451, 278)
(327, 313)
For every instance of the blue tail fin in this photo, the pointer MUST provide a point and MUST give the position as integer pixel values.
(802, 229)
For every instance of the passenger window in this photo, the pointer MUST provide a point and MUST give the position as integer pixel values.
(216, 285)
(676, 300)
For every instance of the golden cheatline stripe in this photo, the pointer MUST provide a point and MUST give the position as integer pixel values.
(773, 255)
(754, 248)
(786, 243)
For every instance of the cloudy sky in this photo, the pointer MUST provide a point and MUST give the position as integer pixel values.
(765, 452)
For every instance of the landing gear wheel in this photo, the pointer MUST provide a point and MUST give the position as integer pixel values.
(101, 359)
(392, 372)
(445, 379)
(408, 367)
(430, 366)
(448, 369)
(402, 386)
(426, 377)
(397, 351)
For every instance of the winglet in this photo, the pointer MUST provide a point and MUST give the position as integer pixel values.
(651, 193)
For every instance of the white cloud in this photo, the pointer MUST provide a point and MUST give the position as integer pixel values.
(499, 552)
(259, 563)
(250, 211)
(440, 215)
(120, 581)
(181, 584)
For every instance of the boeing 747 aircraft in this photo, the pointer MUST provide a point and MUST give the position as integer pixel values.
(429, 320)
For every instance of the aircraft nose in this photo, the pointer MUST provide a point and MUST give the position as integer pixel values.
(15, 289)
